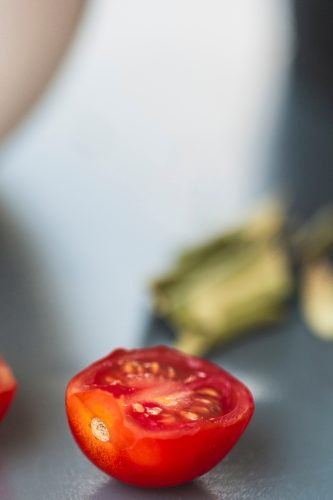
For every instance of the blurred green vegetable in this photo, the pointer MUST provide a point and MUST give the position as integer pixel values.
(242, 280)
(238, 281)
(315, 238)
(317, 297)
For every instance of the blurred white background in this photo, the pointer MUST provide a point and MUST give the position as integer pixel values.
(155, 132)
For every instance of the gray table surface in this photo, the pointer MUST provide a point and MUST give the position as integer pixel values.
(69, 284)
(286, 452)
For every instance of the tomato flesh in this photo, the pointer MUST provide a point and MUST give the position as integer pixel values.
(7, 387)
(156, 417)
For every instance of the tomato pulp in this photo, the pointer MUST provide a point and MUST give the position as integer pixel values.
(7, 387)
(156, 417)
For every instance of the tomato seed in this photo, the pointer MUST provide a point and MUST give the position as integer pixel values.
(171, 372)
(138, 407)
(168, 419)
(99, 429)
(155, 367)
(189, 415)
(128, 367)
(203, 401)
(154, 411)
(201, 409)
(208, 391)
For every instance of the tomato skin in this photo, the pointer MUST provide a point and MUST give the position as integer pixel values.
(153, 459)
(7, 387)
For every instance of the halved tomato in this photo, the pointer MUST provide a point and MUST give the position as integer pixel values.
(7, 387)
(156, 417)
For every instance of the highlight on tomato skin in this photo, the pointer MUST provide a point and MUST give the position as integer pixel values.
(7, 387)
(156, 417)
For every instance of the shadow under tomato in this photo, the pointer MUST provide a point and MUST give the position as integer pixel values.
(195, 490)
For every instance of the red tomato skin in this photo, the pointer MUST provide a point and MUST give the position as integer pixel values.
(7, 388)
(153, 461)
(6, 399)
(179, 460)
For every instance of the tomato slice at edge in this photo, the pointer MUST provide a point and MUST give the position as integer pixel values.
(8, 387)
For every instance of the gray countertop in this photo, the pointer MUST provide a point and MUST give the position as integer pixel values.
(138, 148)
(286, 453)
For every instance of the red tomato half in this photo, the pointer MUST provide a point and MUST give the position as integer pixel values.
(7, 387)
(156, 417)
